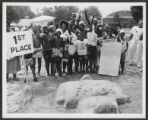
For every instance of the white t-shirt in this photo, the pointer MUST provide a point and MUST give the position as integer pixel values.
(81, 46)
(92, 37)
(73, 37)
(65, 35)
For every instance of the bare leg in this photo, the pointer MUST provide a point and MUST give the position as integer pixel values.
(32, 67)
(39, 65)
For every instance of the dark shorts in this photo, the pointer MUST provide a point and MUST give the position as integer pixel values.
(28, 56)
(92, 51)
(83, 57)
(55, 59)
(47, 55)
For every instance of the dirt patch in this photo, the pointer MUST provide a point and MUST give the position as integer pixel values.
(44, 91)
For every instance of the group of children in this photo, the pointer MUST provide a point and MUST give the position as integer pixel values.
(72, 45)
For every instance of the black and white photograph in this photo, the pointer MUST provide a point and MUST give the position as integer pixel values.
(74, 59)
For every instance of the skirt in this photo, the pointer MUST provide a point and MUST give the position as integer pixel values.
(13, 65)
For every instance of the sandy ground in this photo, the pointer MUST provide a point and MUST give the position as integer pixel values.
(44, 91)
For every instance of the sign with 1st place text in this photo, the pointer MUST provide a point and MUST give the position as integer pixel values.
(19, 43)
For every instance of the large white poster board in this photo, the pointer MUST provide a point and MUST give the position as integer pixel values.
(110, 58)
(19, 43)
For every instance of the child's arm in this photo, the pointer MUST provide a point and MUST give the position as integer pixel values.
(126, 45)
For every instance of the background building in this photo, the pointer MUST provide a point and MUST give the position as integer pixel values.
(122, 17)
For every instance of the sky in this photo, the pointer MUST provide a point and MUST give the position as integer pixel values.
(105, 8)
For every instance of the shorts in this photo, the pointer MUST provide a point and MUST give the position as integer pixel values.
(92, 50)
(29, 62)
(83, 58)
(38, 54)
(47, 55)
(57, 52)
(65, 60)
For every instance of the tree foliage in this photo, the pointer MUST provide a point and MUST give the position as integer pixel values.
(137, 12)
(14, 13)
(60, 12)
(93, 10)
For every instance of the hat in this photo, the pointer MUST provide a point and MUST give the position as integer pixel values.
(81, 22)
(122, 31)
(58, 30)
(95, 19)
(65, 22)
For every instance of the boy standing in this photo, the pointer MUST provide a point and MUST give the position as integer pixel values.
(81, 46)
(57, 53)
(122, 39)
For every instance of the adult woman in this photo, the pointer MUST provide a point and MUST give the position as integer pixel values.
(133, 44)
(140, 45)
(13, 64)
(65, 35)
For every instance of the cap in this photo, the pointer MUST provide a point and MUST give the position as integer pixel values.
(122, 31)
(58, 30)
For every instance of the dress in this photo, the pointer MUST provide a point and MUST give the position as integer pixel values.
(133, 45)
(139, 52)
(13, 65)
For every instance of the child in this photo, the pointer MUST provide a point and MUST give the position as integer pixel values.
(46, 39)
(81, 46)
(123, 40)
(72, 53)
(65, 56)
(57, 53)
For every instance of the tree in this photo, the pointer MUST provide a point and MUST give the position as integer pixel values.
(14, 13)
(137, 12)
(60, 12)
(49, 11)
(93, 10)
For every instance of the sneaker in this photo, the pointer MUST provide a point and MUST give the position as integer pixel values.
(56, 75)
(64, 74)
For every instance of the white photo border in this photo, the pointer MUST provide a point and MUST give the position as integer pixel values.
(56, 115)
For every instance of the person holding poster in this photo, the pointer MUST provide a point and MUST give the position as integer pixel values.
(37, 46)
(29, 60)
(123, 40)
(13, 64)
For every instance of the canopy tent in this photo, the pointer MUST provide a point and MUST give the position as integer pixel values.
(42, 20)
(24, 22)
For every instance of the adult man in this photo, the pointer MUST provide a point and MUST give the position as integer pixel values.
(37, 46)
